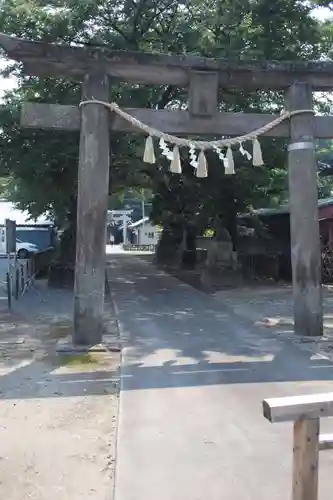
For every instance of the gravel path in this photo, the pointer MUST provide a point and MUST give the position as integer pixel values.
(58, 415)
(271, 306)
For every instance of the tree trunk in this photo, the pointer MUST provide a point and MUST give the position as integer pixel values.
(68, 239)
(61, 273)
(189, 253)
(171, 238)
(231, 226)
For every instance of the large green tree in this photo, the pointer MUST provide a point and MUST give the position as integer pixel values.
(43, 165)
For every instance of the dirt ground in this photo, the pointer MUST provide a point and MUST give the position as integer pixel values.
(58, 414)
(271, 305)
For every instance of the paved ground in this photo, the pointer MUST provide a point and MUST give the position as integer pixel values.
(193, 378)
(57, 413)
(118, 250)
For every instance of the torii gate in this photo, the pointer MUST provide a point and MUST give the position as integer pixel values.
(93, 66)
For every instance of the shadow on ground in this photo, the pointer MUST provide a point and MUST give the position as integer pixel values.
(176, 337)
(29, 365)
(181, 337)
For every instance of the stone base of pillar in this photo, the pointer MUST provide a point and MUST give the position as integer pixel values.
(109, 344)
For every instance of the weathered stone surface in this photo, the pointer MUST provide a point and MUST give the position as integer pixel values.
(42, 58)
(175, 121)
(93, 185)
(304, 224)
(221, 267)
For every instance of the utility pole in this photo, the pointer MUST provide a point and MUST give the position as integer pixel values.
(125, 218)
(143, 203)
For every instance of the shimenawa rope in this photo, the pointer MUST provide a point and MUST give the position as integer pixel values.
(200, 162)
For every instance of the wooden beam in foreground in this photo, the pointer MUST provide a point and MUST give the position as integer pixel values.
(326, 442)
(61, 117)
(305, 412)
(40, 58)
(298, 407)
(305, 459)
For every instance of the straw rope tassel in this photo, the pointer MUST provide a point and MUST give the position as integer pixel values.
(175, 165)
(149, 154)
(202, 165)
(199, 145)
(229, 168)
(257, 160)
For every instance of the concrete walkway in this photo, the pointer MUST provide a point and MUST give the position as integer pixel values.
(193, 378)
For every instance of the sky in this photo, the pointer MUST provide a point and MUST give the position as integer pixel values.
(322, 13)
(8, 83)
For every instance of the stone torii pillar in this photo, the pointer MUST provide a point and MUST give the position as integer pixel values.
(93, 188)
(304, 224)
(203, 77)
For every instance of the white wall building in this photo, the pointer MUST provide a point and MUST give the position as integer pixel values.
(145, 233)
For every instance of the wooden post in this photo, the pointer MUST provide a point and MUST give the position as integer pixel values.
(305, 459)
(93, 186)
(305, 411)
(304, 226)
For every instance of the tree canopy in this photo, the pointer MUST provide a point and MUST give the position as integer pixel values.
(42, 166)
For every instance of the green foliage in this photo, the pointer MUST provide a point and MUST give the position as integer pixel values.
(325, 177)
(328, 4)
(327, 38)
(43, 165)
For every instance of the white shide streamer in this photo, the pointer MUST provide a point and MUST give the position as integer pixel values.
(198, 160)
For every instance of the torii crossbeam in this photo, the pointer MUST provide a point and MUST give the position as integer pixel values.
(93, 66)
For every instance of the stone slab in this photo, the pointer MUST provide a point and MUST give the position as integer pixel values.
(109, 344)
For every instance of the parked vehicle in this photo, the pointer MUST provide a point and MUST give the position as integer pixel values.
(24, 249)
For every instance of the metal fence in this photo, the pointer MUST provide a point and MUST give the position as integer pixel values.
(21, 274)
(19, 278)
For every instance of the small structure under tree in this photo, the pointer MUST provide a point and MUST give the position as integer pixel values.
(203, 77)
